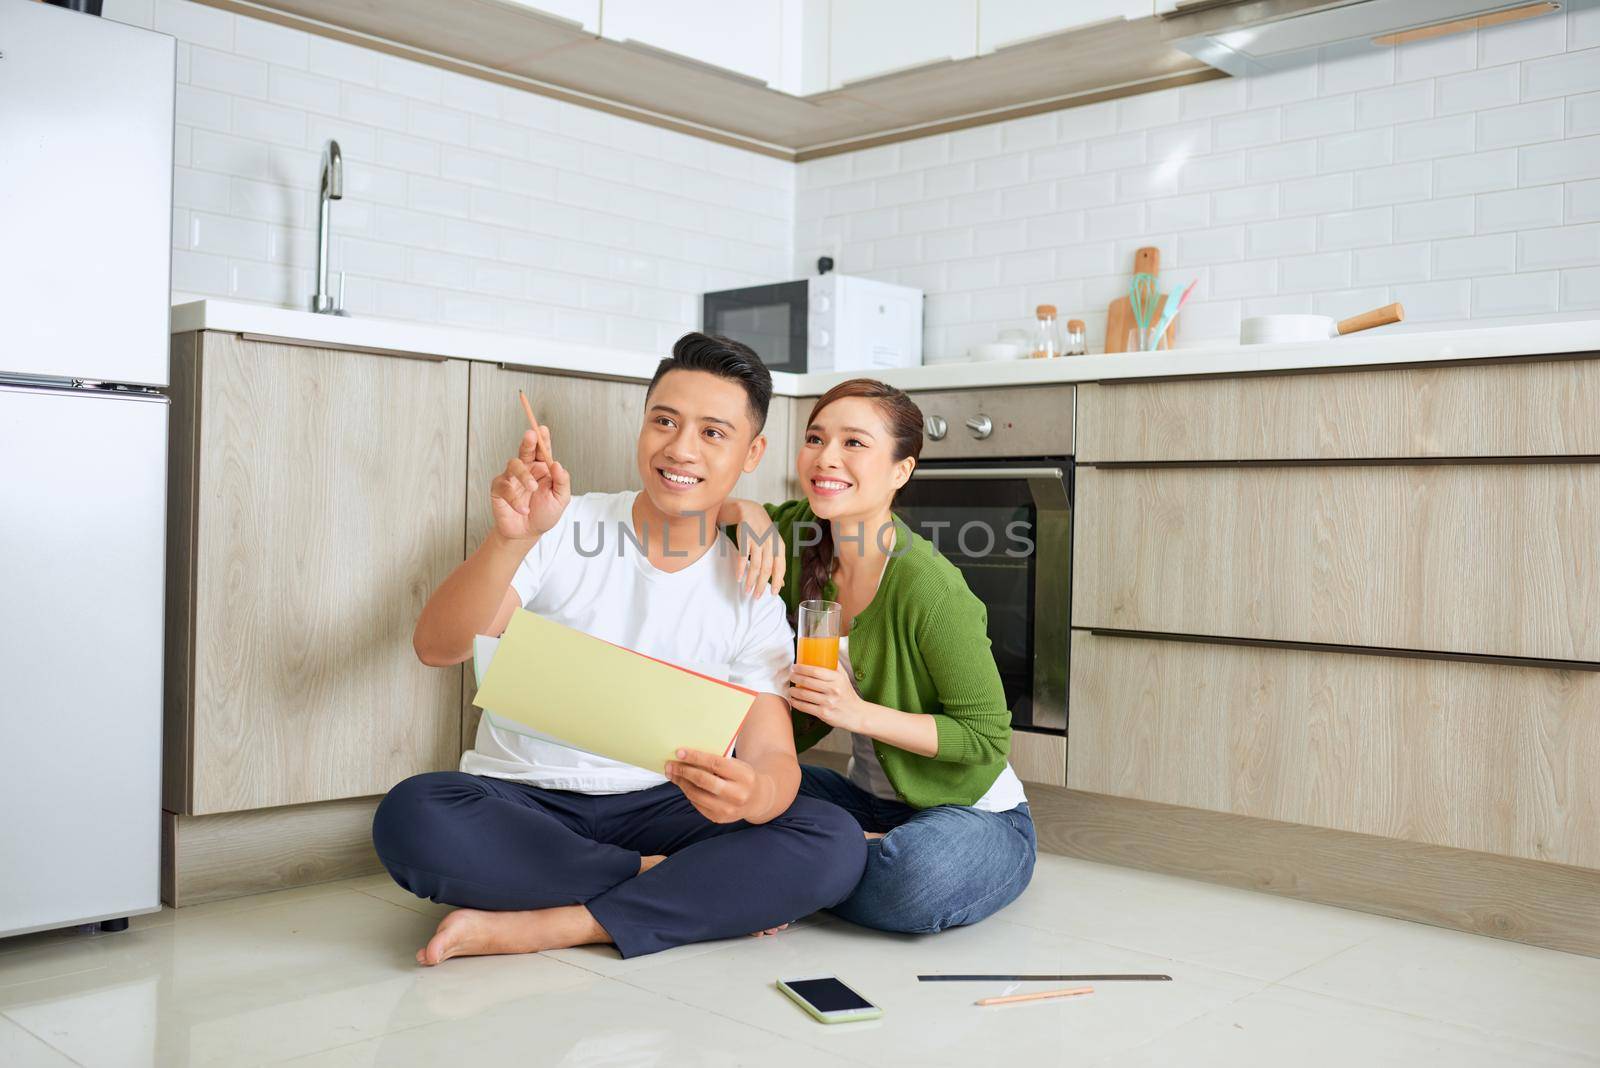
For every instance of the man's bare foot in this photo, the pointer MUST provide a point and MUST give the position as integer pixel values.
(769, 931)
(871, 835)
(476, 932)
(646, 863)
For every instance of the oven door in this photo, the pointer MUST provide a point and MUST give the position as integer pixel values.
(770, 319)
(1008, 526)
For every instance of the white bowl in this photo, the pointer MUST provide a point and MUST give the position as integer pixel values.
(994, 350)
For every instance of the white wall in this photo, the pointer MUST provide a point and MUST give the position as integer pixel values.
(1459, 176)
(465, 202)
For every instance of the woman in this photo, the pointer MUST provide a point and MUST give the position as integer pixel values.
(950, 837)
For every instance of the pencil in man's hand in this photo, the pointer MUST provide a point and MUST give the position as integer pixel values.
(528, 408)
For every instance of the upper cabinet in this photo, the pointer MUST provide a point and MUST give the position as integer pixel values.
(1008, 22)
(869, 39)
(746, 38)
(585, 12)
(785, 78)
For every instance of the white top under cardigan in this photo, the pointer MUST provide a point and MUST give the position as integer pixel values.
(866, 772)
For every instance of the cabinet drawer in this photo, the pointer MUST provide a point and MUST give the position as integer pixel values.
(1477, 756)
(1483, 410)
(1493, 560)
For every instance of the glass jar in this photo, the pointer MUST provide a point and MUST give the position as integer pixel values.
(1046, 340)
(1077, 339)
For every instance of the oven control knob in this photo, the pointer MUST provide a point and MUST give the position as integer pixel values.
(821, 303)
(980, 426)
(937, 427)
(821, 338)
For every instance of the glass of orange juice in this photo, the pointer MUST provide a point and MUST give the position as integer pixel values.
(819, 634)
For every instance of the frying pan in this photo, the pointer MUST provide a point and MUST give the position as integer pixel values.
(1261, 329)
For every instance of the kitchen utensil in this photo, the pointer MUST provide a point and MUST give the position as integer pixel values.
(1265, 329)
(1142, 294)
(1119, 316)
(1172, 309)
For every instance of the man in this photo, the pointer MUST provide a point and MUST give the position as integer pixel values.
(544, 846)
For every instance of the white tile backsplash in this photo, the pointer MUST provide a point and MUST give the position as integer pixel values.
(1460, 176)
(474, 203)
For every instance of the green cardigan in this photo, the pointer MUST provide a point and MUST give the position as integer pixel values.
(921, 646)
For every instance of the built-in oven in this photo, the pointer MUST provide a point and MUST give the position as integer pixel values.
(993, 492)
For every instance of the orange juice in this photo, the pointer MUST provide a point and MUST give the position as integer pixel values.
(819, 652)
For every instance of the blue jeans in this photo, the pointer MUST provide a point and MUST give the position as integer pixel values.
(938, 867)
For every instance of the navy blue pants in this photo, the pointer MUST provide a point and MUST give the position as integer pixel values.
(485, 843)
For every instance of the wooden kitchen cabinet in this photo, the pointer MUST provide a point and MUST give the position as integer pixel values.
(317, 498)
(1484, 559)
(1476, 756)
(1520, 408)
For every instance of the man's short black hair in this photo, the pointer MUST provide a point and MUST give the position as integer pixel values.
(725, 358)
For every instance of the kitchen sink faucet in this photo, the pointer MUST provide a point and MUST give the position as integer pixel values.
(332, 189)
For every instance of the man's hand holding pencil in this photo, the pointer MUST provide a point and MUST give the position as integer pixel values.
(528, 497)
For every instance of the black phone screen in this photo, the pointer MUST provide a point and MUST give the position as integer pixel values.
(827, 995)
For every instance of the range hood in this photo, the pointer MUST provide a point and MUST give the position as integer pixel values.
(1257, 36)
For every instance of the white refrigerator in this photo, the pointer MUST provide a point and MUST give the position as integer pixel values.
(86, 126)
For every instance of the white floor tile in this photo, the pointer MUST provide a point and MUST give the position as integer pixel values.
(251, 986)
(19, 1049)
(937, 1023)
(597, 1022)
(1240, 931)
(326, 974)
(1524, 992)
(1284, 1026)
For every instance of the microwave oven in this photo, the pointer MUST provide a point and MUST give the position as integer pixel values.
(830, 322)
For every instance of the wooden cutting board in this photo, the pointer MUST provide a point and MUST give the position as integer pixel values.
(1119, 316)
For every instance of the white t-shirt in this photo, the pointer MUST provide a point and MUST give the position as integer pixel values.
(587, 573)
(864, 770)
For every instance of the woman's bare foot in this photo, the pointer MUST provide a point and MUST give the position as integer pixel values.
(769, 931)
(646, 863)
(476, 932)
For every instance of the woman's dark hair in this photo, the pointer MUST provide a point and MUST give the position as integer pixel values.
(725, 358)
(904, 419)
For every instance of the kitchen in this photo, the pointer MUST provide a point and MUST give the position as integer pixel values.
(1303, 670)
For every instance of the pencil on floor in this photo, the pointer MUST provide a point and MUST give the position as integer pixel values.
(1070, 992)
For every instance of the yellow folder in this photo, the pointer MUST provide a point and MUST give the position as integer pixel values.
(575, 688)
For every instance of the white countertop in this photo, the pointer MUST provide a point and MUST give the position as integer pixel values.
(1375, 347)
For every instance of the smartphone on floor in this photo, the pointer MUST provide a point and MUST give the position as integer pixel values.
(828, 999)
